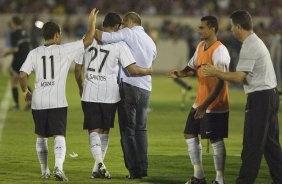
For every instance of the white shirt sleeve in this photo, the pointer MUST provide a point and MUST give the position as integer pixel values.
(114, 37)
(192, 63)
(221, 58)
(73, 49)
(246, 61)
(28, 65)
(125, 56)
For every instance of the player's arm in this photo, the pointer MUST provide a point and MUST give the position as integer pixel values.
(91, 28)
(212, 71)
(78, 77)
(24, 86)
(187, 71)
(112, 37)
(133, 69)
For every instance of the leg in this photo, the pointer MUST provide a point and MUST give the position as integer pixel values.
(59, 151)
(42, 153)
(219, 157)
(192, 129)
(272, 153)
(141, 131)
(15, 92)
(255, 133)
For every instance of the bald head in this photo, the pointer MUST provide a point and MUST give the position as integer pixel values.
(133, 17)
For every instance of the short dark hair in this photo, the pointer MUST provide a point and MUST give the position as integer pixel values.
(49, 29)
(242, 18)
(17, 20)
(112, 19)
(135, 17)
(211, 22)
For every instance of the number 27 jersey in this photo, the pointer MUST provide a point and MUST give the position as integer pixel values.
(51, 65)
(101, 65)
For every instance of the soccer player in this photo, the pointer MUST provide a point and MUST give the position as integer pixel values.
(20, 47)
(135, 94)
(100, 93)
(261, 128)
(209, 114)
(50, 64)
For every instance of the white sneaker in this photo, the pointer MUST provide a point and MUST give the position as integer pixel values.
(60, 175)
(46, 175)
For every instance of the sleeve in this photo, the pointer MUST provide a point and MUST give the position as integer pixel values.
(246, 61)
(79, 59)
(28, 65)
(221, 58)
(125, 56)
(114, 37)
(192, 62)
(73, 49)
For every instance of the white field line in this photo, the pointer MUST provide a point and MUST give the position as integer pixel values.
(4, 108)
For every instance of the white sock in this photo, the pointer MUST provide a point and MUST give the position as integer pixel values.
(195, 153)
(60, 151)
(42, 153)
(104, 144)
(95, 146)
(219, 156)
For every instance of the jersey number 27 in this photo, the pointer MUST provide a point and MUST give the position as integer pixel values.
(94, 56)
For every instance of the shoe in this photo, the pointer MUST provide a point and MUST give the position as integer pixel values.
(194, 180)
(103, 171)
(215, 182)
(95, 175)
(60, 175)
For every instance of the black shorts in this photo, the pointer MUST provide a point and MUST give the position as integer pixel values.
(50, 122)
(98, 115)
(211, 126)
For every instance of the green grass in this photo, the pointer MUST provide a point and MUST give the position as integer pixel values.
(168, 160)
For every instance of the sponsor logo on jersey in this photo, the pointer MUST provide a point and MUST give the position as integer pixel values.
(96, 77)
(47, 83)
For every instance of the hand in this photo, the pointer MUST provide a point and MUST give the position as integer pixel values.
(210, 70)
(27, 96)
(151, 70)
(92, 17)
(200, 112)
(173, 74)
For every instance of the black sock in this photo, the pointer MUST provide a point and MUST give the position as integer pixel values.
(15, 95)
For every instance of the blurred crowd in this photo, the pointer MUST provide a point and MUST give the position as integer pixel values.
(144, 7)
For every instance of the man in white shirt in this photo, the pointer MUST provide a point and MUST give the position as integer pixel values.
(135, 93)
(261, 127)
(50, 64)
(100, 91)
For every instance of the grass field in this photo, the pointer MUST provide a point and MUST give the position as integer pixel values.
(168, 160)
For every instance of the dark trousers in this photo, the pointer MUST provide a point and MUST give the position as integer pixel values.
(261, 137)
(132, 112)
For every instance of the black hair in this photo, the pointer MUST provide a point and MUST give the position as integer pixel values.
(242, 18)
(112, 19)
(49, 29)
(211, 22)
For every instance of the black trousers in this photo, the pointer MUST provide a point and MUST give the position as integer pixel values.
(261, 137)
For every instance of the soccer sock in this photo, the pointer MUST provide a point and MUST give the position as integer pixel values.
(195, 153)
(42, 153)
(15, 93)
(104, 144)
(95, 146)
(60, 151)
(219, 156)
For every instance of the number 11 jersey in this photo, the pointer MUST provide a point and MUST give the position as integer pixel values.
(51, 65)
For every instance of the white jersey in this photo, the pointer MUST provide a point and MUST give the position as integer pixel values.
(101, 65)
(51, 65)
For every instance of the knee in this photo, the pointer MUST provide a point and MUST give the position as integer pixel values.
(189, 136)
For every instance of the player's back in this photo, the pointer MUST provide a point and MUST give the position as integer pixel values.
(102, 63)
(51, 64)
